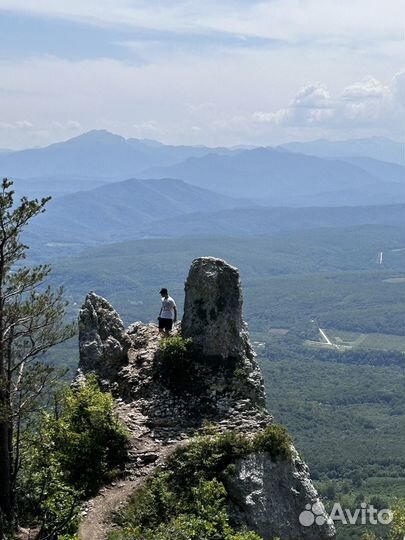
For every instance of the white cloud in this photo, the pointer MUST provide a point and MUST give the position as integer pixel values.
(233, 99)
(343, 23)
(368, 102)
(368, 88)
(17, 124)
(312, 104)
(234, 94)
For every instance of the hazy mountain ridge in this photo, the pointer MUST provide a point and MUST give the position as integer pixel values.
(380, 148)
(272, 220)
(100, 156)
(391, 172)
(117, 211)
(55, 186)
(283, 178)
(167, 208)
(97, 153)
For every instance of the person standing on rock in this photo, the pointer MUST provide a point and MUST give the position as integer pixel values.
(168, 313)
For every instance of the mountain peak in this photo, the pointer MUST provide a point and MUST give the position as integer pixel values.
(165, 387)
(96, 136)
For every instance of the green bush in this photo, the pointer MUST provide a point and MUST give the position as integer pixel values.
(276, 441)
(174, 349)
(200, 516)
(46, 499)
(397, 531)
(90, 441)
(188, 499)
(72, 452)
(175, 364)
(154, 504)
(207, 456)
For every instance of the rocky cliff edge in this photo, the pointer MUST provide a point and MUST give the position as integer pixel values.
(164, 403)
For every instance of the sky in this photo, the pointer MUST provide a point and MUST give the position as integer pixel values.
(223, 72)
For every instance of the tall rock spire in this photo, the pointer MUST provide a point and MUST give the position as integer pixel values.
(213, 308)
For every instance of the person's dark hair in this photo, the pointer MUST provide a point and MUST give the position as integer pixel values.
(163, 291)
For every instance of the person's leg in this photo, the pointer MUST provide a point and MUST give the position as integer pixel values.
(168, 323)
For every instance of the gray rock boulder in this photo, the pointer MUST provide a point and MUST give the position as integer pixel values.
(213, 308)
(103, 341)
(213, 320)
(277, 499)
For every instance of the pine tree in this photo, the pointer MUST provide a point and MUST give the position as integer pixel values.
(31, 321)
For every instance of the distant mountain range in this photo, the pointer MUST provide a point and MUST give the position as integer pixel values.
(56, 186)
(118, 211)
(187, 190)
(97, 154)
(282, 178)
(390, 172)
(101, 155)
(380, 148)
(272, 220)
(167, 208)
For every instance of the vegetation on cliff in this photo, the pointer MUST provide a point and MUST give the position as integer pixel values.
(31, 322)
(187, 498)
(74, 449)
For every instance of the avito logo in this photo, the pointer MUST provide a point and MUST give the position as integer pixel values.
(365, 515)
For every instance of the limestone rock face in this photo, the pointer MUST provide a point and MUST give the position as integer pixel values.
(213, 320)
(222, 385)
(277, 500)
(213, 308)
(103, 342)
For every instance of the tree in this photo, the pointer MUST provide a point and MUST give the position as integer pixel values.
(31, 321)
(77, 445)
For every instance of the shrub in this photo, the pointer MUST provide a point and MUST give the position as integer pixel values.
(188, 500)
(397, 531)
(45, 498)
(68, 457)
(175, 366)
(207, 456)
(276, 441)
(154, 504)
(90, 442)
(201, 517)
(174, 349)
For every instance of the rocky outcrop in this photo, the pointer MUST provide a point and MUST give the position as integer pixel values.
(165, 402)
(272, 498)
(103, 342)
(213, 309)
(213, 321)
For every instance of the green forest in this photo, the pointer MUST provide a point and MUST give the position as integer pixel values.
(342, 402)
(344, 408)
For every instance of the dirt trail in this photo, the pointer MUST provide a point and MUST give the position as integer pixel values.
(146, 452)
(145, 455)
(96, 523)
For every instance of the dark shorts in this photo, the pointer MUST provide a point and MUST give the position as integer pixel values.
(165, 324)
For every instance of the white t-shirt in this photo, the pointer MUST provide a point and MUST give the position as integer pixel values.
(168, 305)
